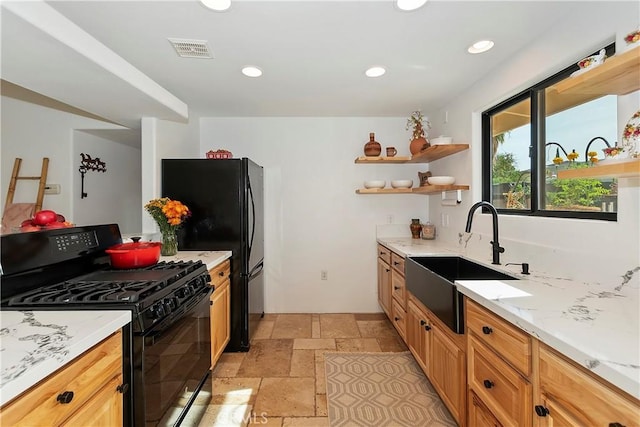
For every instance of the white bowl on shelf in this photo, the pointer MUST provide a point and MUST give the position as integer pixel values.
(402, 183)
(441, 180)
(377, 183)
(441, 140)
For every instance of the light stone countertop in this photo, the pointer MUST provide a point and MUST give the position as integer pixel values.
(596, 325)
(35, 344)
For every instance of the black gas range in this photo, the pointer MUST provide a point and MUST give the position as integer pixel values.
(67, 269)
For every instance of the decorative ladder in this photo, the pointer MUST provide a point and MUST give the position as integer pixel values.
(15, 176)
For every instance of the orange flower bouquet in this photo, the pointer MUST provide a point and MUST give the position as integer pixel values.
(169, 215)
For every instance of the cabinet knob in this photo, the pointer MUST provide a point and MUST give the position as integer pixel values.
(488, 383)
(396, 263)
(65, 397)
(422, 323)
(122, 388)
(486, 330)
(541, 410)
(395, 288)
(616, 425)
(387, 270)
(221, 274)
(427, 328)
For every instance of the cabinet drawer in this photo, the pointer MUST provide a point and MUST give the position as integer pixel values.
(384, 254)
(588, 400)
(397, 263)
(503, 390)
(220, 273)
(398, 289)
(513, 344)
(399, 317)
(84, 376)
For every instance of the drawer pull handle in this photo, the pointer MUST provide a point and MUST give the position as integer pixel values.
(122, 388)
(541, 410)
(488, 383)
(422, 323)
(616, 425)
(427, 328)
(221, 274)
(65, 397)
(395, 288)
(387, 270)
(486, 330)
(382, 253)
(397, 318)
(396, 263)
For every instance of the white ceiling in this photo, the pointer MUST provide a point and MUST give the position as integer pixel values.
(313, 54)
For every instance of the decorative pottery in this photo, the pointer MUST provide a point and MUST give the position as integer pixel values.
(423, 178)
(372, 148)
(416, 228)
(417, 145)
(631, 136)
(391, 151)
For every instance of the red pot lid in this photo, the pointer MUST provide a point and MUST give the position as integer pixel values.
(133, 246)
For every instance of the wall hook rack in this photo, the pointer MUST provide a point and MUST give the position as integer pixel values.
(89, 164)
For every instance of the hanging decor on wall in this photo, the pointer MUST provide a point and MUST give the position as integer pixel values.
(89, 164)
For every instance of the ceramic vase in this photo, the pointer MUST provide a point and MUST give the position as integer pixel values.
(169, 243)
(417, 145)
(372, 148)
(415, 228)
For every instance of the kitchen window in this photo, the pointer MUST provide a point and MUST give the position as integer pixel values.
(528, 138)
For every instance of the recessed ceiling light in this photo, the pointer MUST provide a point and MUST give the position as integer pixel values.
(251, 71)
(480, 46)
(375, 72)
(410, 4)
(217, 5)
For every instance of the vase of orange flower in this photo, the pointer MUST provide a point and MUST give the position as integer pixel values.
(169, 215)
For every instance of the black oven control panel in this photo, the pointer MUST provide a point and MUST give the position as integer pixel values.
(75, 242)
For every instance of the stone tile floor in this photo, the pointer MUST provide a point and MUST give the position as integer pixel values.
(280, 381)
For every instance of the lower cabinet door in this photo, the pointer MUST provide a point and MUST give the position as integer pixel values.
(220, 320)
(104, 409)
(479, 415)
(447, 372)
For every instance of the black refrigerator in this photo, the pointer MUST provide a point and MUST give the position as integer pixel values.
(225, 197)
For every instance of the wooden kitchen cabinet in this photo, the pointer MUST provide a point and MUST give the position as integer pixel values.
(94, 378)
(220, 311)
(441, 354)
(384, 279)
(571, 395)
(499, 367)
(398, 295)
(479, 415)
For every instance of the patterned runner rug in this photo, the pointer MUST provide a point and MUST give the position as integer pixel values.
(381, 389)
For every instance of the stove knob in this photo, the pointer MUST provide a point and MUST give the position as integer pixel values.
(170, 304)
(180, 293)
(157, 311)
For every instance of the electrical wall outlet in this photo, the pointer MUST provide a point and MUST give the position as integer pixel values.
(52, 189)
(323, 275)
(389, 219)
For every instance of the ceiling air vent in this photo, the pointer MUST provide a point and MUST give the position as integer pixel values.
(191, 48)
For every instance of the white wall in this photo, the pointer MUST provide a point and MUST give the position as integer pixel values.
(570, 247)
(313, 219)
(162, 139)
(31, 132)
(111, 194)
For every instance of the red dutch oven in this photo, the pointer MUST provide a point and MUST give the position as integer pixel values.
(134, 254)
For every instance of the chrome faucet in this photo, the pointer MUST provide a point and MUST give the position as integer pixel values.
(496, 249)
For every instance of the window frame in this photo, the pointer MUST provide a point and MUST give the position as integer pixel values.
(536, 96)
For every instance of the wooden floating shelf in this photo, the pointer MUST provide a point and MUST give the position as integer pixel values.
(432, 153)
(618, 75)
(380, 159)
(614, 170)
(426, 189)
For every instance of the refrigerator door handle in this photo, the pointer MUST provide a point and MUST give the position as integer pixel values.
(256, 270)
(253, 220)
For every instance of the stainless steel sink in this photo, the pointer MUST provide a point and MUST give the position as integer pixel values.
(431, 280)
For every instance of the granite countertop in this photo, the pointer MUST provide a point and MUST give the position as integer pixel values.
(596, 325)
(209, 258)
(35, 344)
